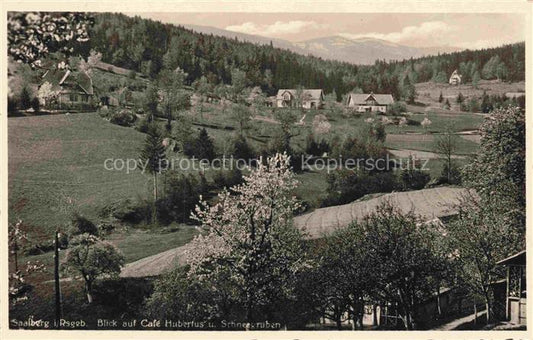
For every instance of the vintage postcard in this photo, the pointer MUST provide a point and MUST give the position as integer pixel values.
(254, 171)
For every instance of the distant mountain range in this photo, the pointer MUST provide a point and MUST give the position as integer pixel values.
(363, 51)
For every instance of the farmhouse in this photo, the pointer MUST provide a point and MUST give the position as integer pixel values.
(75, 89)
(307, 99)
(455, 78)
(369, 102)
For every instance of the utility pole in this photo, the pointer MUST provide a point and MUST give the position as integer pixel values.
(56, 279)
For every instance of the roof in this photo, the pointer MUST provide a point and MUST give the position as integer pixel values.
(60, 77)
(309, 93)
(85, 82)
(361, 98)
(428, 204)
(516, 259)
(455, 74)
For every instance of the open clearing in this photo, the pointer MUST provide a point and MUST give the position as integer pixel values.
(426, 142)
(428, 93)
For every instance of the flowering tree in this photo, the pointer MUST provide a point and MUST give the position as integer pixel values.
(425, 123)
(17, 282)
(32, 35)
(46, 94)
(249, 238)
(321, 125)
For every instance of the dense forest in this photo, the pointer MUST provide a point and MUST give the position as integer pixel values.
(148, 46)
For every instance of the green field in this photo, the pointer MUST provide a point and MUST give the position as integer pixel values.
(426, 142)
(56, 167)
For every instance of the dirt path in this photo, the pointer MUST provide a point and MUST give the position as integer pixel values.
(405, 153)
(156, 264)
(458, 322)
(266, 119)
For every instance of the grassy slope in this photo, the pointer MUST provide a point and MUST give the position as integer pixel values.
(56, 166)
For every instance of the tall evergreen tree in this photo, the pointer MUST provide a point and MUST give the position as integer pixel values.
(154, 157)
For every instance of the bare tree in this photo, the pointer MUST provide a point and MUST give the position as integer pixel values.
(446, 146)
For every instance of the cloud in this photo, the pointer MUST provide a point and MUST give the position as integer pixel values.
(277, 28)
(426, 32)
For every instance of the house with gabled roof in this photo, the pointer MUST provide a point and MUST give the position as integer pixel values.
(73, 88)
(306, 98)
(369, 102)
(455, 78)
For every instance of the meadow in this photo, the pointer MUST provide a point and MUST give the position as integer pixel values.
(56, 165)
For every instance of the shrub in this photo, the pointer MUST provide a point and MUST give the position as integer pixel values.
(132, 212)
(82, 225)
(227, 178)
(414, 179)
(202, 147)
(25, 98)
(104, 111)
(345, 186)
(123, 117)
(143, 124)
(413, 122)
(397, 108)
(106, 228)
(455, 174)
(316, 148)
(11, 105)
(182, 195)
(242, 150)
(35, 104)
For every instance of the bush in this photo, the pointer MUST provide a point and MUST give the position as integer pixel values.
(242, 150)
(82, 225)
(316, 148)
(412, 122)
(397, 108)
(182, 195)
(202, 147)
(129, 211)
(11, 105)
(105, 228)
(35, 104)
(345, 186)
(227, 178)
(104, 111)
(25, 98)
(414, 179)
(143, 124)
(123, 117)
(455, 174)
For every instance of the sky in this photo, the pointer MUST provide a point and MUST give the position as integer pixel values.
(418, 30)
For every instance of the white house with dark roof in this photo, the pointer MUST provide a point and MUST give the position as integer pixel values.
(310, 98)
(369, 102)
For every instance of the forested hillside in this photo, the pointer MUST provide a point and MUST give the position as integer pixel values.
(148, 46)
